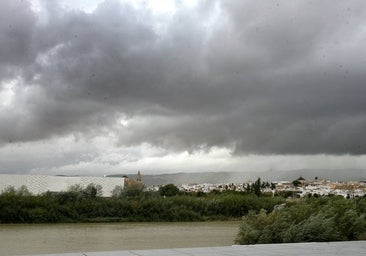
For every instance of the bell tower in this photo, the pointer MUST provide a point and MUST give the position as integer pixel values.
(139, 178)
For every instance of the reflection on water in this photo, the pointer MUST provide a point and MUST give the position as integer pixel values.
(56, 238)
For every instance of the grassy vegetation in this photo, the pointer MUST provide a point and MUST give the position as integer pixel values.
(131, 204)
(313, 219)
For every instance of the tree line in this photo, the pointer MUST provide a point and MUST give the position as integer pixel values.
(130, 203)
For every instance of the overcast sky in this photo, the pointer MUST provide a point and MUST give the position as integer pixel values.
(105, 87)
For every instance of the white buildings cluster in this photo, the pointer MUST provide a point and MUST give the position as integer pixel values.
(304, 188)
(325, 187)
(38, 184)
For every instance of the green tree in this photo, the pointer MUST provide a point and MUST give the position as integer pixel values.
(133, 191)
(317, 228)
(9, 190)
(257, 187)
(252, 226)
(273, 186)
(168, 190)
(23, 191)
(296, 183)
(76, 188)
(118, 191)
(93, 190)
(306, 220)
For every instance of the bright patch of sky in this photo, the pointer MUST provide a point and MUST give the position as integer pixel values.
(7, 93)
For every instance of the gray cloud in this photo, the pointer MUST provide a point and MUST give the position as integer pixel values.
(264, 78)
(17, 27)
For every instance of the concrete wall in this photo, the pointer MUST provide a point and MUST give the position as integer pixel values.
(38, 184)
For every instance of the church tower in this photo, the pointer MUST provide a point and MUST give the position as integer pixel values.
(139, 178)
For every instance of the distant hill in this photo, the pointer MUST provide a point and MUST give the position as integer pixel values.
(238, 177)
(181, 178)
(334, 175)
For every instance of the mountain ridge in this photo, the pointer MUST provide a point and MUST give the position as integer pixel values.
(239, 177)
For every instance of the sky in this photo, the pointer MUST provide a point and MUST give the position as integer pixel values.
(115, 87)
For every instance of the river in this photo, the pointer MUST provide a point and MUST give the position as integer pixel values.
(20, 239)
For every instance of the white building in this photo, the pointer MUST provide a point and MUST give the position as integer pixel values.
(37, 184)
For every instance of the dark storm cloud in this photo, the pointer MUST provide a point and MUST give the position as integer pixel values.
(17, 25)
(258, 77)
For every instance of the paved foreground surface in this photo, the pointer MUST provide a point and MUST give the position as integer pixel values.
(354, 248)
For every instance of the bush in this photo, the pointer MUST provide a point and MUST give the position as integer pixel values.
(317, 228)
(127, 204)
(307, 220)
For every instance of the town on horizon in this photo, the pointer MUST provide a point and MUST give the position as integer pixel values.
(299, 187)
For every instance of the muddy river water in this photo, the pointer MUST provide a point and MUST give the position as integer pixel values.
(58, 238)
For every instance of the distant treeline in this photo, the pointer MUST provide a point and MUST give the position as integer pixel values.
(314, 219)
(128, 204)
